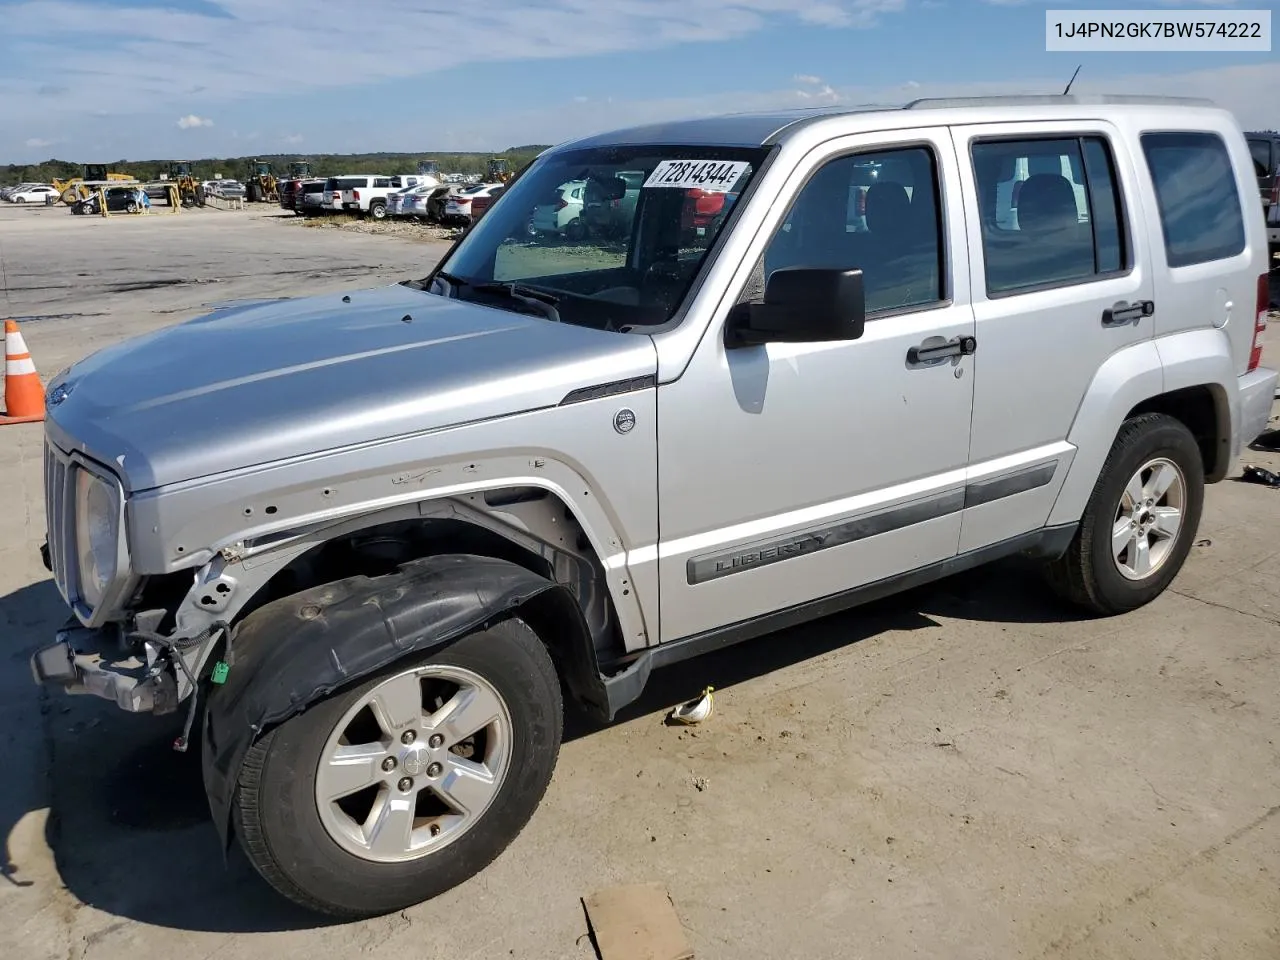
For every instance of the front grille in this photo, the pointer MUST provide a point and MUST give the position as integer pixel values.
(59, 522)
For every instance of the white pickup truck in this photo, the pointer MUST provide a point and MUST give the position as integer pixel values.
(372, 199)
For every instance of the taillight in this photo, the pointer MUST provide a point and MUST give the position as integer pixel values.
(355, 194)
(1260, 325)
(1275, 191)
(561, 203)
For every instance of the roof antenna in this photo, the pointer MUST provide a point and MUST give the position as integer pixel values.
(1072, 80)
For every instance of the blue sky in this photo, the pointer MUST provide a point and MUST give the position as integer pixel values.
(94, 80)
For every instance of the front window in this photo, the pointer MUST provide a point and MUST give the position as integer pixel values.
(609, 237)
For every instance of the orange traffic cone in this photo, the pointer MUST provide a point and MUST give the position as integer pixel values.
(23, 392)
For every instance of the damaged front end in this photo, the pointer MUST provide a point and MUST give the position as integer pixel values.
(112, 647)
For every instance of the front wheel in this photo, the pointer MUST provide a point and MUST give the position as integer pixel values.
(1139, 524)
(410, 783)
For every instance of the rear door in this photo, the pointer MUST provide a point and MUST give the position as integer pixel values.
(1056, 241)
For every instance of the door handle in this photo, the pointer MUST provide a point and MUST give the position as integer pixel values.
(935, 349)
(1122, 314)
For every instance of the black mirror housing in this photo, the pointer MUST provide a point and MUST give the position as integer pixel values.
(802, 305)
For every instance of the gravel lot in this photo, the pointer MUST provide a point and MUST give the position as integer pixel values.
(964, 771)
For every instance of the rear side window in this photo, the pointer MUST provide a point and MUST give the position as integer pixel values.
(1051, 212)
(1196, 191)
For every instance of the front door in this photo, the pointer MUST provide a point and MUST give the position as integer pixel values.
(1056, 240)
(792, 472)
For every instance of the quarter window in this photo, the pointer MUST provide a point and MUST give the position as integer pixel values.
(1051, 212)
(1196, 192)
(877, 212)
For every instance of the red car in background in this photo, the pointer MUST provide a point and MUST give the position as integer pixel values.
(703, 209)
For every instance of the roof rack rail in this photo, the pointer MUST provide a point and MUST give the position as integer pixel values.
(1083, 99)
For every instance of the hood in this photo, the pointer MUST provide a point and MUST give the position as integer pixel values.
(266, 381)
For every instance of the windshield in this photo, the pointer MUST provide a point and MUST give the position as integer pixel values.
(613, 236)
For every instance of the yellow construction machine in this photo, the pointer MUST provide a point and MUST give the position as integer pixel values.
(260, 184)
(190, 190)
(75, 189)
(499, 170)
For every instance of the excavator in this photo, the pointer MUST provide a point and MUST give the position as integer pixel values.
(96, 175)
(190, 190)
(259, 183)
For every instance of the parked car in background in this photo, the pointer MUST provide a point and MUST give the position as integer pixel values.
(371, 198)
(1264, 148)
(457, 207)
(228, 190)
(7, 192)
(482, 201)
(400, 203)
(561, 213)
(430, 205)
(703, 211)
(33, 194)
(309, 197)
(119, 200)
(331, 197)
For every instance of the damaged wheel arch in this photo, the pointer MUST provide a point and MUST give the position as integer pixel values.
(300, 649)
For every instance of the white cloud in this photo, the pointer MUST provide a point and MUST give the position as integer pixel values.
(248, 47)
(37, 143)
(191, 120)
(1245, 90)
(807, 78)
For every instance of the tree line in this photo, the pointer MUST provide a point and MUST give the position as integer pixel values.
(237, 168)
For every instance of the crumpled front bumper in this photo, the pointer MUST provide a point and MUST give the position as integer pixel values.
(97, 663)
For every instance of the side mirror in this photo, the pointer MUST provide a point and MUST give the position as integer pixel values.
(802, 305)
(609, 188)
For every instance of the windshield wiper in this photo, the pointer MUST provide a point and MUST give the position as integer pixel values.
(540, 300)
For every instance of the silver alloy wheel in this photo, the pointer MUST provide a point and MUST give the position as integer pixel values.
(1148, 519)
(414, 763)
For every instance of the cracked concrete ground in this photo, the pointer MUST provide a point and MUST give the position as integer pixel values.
(964, 771)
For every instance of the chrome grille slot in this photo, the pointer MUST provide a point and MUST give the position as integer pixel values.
(57, 510)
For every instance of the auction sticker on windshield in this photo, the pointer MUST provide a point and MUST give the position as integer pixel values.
(714, 176)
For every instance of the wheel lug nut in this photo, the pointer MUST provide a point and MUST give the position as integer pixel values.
(389, 764)
(408, 736)
(435, 740)
(405, 784)
(433, 770)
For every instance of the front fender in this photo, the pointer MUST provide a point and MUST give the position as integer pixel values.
(298, 649)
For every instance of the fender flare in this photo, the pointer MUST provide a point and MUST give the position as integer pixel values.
(297, 650)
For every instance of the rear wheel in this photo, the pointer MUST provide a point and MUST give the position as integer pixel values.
(408, 784)
(1139, 524)
(378, 210)
(575, 230)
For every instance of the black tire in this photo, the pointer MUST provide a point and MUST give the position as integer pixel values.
(575, 230)
(19, 199)
(279, 826)
(131, 206)
(378, 210)
(1087, 574)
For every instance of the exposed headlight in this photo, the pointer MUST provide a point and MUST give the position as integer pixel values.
(97, 535)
